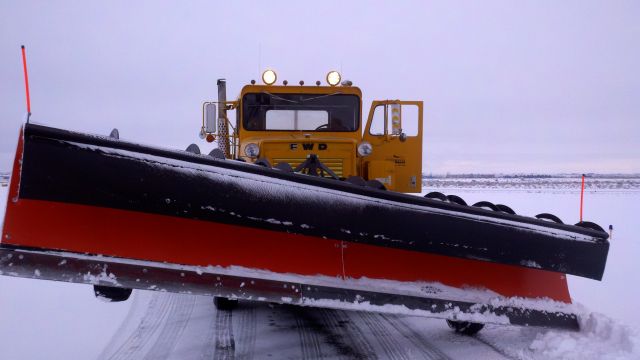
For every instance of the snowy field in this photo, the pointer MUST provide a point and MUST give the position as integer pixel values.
(50, 320)
(528, 183)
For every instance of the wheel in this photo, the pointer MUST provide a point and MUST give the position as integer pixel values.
(376, 185)
(217, 154)
(549, 217)
(436, 195)
(111, 294)
(223, 303)
(505, 209)
(486, 205)
(193, 148)
(465, 327)
(590, 225)
(356, 180)
(456, 200)
(263, 162)
(284, 166)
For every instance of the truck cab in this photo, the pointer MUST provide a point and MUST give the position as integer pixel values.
(276, 124)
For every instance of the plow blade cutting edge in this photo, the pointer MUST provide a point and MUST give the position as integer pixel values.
(288, 289)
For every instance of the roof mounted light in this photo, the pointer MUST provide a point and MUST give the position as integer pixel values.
(269, 77)
(333, 78)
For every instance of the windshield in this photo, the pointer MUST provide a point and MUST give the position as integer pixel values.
(305, 112)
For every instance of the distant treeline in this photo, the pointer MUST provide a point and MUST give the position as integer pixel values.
(528, 176)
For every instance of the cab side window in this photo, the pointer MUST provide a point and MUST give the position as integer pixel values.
(378, 123)
(395, 119)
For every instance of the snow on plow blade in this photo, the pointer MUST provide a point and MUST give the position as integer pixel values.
(81, 194)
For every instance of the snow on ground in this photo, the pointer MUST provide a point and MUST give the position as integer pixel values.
(527, 183)
(41, 319)
(600, 338)
(53, 320)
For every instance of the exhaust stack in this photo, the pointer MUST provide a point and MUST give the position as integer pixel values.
(223, 129)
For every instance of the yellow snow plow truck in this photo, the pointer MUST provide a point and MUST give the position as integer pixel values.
(301, 203)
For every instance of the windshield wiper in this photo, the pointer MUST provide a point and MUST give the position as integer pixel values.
(280, 98)
(322, 96)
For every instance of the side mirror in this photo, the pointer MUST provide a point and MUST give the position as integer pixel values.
(210, 118)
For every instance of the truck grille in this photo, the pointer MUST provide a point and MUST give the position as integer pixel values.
(335, 165)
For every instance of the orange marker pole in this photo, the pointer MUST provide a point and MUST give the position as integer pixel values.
(26, 82)
(581, 197)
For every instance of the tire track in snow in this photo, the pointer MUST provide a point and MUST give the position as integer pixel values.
(383, 336)
(177, 320)
(495, 348)
(427, 349)
(246, 338)
(208, 347)
(334, 328)
(134, 346)
(310, 343)
(115, 339)
(356, 345)
(225, 343)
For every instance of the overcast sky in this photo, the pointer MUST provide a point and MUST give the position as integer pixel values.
(508, 86)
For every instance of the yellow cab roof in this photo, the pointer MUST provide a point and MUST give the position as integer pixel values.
(297, 89)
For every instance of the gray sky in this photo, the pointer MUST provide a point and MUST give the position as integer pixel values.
(527, 86)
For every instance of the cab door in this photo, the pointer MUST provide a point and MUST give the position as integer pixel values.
(394, 130)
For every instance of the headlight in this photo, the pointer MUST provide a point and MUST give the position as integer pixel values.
(269, 77)
(252, 150)
(365, 149)
(333, 78)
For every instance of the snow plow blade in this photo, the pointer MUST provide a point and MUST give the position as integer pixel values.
(73, 193)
